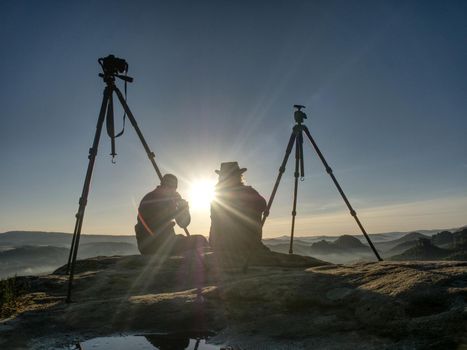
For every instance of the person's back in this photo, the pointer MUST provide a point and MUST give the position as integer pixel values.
(236, 217)
(155, 215)
(235, 213)
(155, 221)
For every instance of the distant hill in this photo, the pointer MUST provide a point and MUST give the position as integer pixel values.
(459, 245)
(401, 247)
(21, 238)
(32, 252)
(344, 244)
(63, 239)
(298, 248)
(379, 239)
(303, 240)
(423, 250)
(31, 260)
(324, 247)
(57, 239)
(460, 237)
(384, 247)
(443, 239)
(390, 236)
(349, 242)
(27, 260)
(411, 236)
(338, 250)
(88, 250)
(443, 245)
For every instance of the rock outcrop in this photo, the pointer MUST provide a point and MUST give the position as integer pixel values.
(280, 302)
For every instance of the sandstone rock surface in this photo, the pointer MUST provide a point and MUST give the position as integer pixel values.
(280, 302)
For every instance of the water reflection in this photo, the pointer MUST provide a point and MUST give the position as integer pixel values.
(150, 342)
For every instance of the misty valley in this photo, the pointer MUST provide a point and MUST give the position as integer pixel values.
(32, 253)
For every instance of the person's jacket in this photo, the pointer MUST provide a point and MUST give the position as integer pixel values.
(236, 217)
(157, 211)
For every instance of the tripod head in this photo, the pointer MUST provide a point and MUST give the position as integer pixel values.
(298, 114)
(112, 66)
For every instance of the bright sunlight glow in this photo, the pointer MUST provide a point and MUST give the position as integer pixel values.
(201, 194)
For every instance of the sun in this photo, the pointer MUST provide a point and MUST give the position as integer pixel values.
(201, 194)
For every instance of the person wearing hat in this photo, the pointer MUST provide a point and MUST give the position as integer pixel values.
(157, 211)
(236, 213)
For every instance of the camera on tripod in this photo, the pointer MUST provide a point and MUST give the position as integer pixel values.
(299, 116)
(112, 65)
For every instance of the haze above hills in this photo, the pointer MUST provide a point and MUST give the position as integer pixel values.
(35, 252)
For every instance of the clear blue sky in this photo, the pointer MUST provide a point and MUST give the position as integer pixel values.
(384, 82)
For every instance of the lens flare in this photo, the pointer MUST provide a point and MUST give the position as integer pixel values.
(201, 194)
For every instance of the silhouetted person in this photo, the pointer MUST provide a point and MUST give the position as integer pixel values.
(236, 214)
(156, 214)
(167, 342)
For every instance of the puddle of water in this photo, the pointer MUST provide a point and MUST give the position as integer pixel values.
(149, 342)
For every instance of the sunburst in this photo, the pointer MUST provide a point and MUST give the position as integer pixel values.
(201, 194)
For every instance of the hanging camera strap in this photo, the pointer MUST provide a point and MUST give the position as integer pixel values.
(110, 123)
(124, 113)
(110, 119)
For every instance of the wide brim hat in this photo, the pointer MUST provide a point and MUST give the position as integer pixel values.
(230, 168)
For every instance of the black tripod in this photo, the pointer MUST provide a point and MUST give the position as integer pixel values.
(297, 139)
(111, 67)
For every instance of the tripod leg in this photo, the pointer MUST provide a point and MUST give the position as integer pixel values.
(298, 156)
(132, 119)
(150, 154)
(72, 248)
(102, 114)
(279, 176)
(344, 197)
(84, 195)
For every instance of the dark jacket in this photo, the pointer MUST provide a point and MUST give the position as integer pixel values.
(236, 218)
(156, 213)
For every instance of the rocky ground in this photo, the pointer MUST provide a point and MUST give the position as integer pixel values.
(279, 302)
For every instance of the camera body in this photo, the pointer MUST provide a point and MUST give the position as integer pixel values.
(299, 115)
(112, 65)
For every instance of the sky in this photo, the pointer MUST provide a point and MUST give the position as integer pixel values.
(384, 85)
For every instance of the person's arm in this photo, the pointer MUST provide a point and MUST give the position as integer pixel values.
(182, 216)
